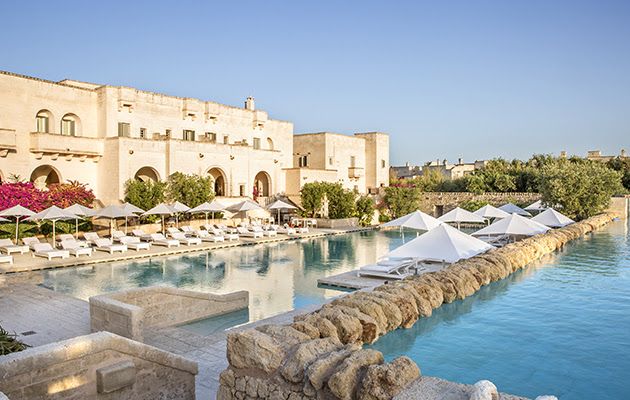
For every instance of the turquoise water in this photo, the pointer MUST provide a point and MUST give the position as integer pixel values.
(279, 276)
(561, 326)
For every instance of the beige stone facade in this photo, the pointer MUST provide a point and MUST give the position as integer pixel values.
(359, 162)
(104, 135)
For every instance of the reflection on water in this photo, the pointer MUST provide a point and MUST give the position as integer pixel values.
(558, 327)
(279, 276)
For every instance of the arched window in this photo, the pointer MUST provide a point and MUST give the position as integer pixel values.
(262, 184)
(218, 176)
(43, 121)
(70, 125)
(269, 144)
(45, 175)
(146, 174)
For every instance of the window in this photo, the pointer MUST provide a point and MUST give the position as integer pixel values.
(256, 143)
(211, 137)
(226, 139)
(168, 133)
(303, 161)
(189, 135)
(330, 161)
(143, 133)
(68, 126)
(241, 190)
(353, 161)
(124, 129)
(382, 163)
(42, 123)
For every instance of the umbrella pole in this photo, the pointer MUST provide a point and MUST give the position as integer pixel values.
(162, 224)
(17, 228)
(76, 228)
(54, 242)
(125, 224)
(206, 217)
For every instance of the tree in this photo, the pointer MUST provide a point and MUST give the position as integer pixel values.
(365, 210)
(145, 195)
(401, 200)
(622, 165)
(191, 190)
(66, 194)
(341, 202)
(312, 196)
(582, 189)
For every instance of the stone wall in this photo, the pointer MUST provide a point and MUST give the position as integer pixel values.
(337, 223)
(96, 366)
(438, 203)
(128, 313)
(320, 355)
(620, 206)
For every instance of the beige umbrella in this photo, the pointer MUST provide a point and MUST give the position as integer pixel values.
(280, 205)
(113, 212)
(18, 212)
(161, 210)
(79, 211)
(53, 214)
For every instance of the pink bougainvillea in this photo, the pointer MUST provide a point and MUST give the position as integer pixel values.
(61, 195)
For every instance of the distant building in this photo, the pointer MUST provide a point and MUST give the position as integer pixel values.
(453, 171)
(406, 171)
(596, 155)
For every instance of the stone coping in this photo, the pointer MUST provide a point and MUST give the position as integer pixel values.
(60, 352)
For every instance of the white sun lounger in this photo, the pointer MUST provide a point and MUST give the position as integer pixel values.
(46, 250)
(244, 232)
(7, 246)
(188, 230)
(160, 240)
(75, 248)
(108, 246)
(207, 237)
(140, 233)
(389, 269)
(172, 230)
(91, 237)
(30, 242)
(268, 233)
(226, 235)
(134, 243)
(6, 259)
(183, 239)
(287, 230)
(65, 237)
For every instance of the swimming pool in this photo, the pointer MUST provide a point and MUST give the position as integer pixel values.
(560, 326)
(279, 276)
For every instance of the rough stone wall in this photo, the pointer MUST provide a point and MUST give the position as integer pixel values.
(128, 313)
(97, 366)
(320, 355)
(434, 202)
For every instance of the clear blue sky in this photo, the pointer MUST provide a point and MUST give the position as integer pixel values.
(472, 79)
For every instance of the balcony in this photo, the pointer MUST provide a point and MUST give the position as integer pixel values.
(55, 145)
(7, 141)
(355, 172)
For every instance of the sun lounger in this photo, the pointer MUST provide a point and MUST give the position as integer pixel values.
(170, 231)
(268, 233)
(46, 250)
(6, 259)
(140, 233)
(30, 242)
(91, 237)
(244, 232)
(64, 237)
(207, 237)
(301, 229)
(75, 248)
(183, 239)
(104, 244)
(7, 246)
(160, 240)
(134, 243)
(389, 269)
(224, 234)
(188, 230)
(287, 230)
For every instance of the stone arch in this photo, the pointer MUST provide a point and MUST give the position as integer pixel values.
(146, 174)
(45, 175)
(220, 181)
(70, 125)
(44, 121)
(269, 143)
(262, 184)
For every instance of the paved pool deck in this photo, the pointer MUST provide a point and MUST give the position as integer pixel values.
(352, 281)
(28, 262)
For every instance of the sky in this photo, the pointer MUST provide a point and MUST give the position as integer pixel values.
(446, 79)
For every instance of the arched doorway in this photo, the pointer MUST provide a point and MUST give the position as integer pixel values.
(262, 184)
(219, 180)
(45, 175)
(146, 174)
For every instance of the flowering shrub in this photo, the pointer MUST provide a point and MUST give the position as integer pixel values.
(66, 194)
(24, 194)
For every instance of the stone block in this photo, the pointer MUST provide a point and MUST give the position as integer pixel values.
(115, 377)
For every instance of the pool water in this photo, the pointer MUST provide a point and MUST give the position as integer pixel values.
(561, 326)
(279, 276)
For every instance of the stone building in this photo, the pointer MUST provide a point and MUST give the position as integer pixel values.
(104, 135)
(453, 171)
(596, 155)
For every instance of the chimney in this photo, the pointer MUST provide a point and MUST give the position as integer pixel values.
(623, 153)
(407, 164)
(249, 104)
(445, 161)
(563, 154)
(460, 161)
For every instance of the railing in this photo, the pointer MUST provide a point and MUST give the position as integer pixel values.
(7, 139)
(355, 172)
(48, 143)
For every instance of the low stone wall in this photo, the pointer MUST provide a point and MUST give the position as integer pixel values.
(320, 355)
(438, 203)
(337, 223)
(129, 312)
(97, 366)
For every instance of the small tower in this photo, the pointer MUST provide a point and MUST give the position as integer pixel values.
(249, 104)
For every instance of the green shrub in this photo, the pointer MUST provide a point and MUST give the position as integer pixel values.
(473, 205)
(402, 200)
(341, 202)
(365, 210)
(191, 190)
(9, 343)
